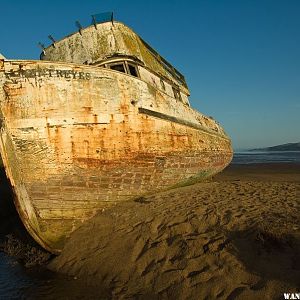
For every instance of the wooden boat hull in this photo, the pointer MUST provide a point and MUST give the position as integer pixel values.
(77, 139)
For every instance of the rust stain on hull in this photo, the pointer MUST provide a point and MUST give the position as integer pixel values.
(76, 139)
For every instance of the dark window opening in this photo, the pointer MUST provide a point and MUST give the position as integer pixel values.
(118, 67)
(162, 84)
(176, 93)
(132, 70)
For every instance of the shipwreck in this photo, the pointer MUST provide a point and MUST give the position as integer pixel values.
(101, 118)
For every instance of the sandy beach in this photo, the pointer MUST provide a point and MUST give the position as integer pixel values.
(236, 236)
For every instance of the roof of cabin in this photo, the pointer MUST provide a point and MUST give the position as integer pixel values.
(100, 41)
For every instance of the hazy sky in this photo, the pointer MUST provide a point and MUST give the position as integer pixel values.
(241, 59)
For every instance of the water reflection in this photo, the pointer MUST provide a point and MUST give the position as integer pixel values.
(17, 282)
(12, 278)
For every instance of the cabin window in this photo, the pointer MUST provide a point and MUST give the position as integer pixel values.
(118, 67)
(162, 84)
(132, 70)
(176, 93)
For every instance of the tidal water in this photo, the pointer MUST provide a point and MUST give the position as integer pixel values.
(12, 278)
(17, 282)
(254, 157)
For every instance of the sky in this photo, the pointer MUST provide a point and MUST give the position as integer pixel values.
(241, 59)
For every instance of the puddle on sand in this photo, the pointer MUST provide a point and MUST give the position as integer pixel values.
(17, 282)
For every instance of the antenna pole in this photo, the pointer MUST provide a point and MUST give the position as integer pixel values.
(79, 26)
(52, 39)
(94, 21)
(42, 46)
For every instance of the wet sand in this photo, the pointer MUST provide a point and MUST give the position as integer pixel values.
(236, 236)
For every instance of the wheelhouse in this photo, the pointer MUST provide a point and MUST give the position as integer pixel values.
(132, 66)
(123, 65)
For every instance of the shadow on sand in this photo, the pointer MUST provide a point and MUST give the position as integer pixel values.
(269, 253)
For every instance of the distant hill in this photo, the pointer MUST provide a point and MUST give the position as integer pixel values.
(283, 147)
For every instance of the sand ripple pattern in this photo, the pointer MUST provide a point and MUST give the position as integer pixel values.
(216, 240)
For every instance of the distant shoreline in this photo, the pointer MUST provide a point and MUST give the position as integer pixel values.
(282, 147)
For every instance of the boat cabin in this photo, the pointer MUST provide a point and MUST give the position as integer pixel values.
(115, 46)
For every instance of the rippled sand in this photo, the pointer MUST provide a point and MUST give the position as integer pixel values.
(236, 237)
